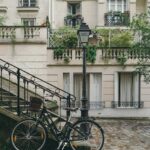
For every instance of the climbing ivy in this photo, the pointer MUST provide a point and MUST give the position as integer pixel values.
(91, 53)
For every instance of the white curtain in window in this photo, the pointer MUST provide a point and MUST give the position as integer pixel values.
(126, 87)
(129, 87)
(97, 87)
(66, 82)
(136, 87)
(78, 86)
(117, 5)
(78, 9)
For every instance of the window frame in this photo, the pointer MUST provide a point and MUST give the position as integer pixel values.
(124, 5)
(28, 19)
(118, 93)
(27, 4)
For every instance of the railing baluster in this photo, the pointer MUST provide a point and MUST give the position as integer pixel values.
(24, 89)
(18, 92)
(1, 83)
(68, 106)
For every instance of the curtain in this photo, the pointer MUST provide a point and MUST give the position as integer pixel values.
(78, 87)
(129, 88)
(126, 89)
(97, 91)
(97, 87)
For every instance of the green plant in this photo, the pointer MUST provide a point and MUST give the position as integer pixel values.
(121, 59)
(70, 40)
(91, 53)
(59, 51)
(122, 39)
(2, 20)
(66, 60)
(65, 37)
(115, 37)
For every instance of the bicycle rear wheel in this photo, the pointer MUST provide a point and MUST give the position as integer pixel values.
(28, 135)
(86, 135)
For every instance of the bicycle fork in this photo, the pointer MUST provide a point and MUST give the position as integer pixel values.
(61, 145)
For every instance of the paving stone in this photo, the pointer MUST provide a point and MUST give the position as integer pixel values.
(126, 134)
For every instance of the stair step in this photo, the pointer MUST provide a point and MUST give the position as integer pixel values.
(7, 107)
(8, 97)
(5, 93)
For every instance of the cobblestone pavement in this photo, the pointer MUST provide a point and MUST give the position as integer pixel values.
(126, 134)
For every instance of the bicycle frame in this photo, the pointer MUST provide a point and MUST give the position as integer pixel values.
(47, 115)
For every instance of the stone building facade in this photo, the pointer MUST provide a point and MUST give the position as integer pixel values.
(113, 90)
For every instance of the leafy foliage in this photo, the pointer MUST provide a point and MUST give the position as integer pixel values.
(115, 37)
(59, 51)
(141, 27)
(2, 20)
(91, 53)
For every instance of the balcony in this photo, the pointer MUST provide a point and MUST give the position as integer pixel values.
(117, 18)
(109, 56)
(118, 104)
(23, 34)
(73, 20)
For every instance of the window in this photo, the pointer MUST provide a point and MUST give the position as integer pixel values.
(93, 87)
(117, 5)
(78, 86)
(27, 3)
(128, 89)
(28, 21)
(96, 91)
(73, 8)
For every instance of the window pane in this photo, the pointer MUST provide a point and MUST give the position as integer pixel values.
(78, 86)
(32, 3)
(28, 21)
(125, 87)
(25, 3)
(129, 89)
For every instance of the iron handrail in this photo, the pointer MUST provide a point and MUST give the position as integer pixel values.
(55, 92)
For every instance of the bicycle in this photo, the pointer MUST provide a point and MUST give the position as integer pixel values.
(31, 134)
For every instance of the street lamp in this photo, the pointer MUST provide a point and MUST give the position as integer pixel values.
(83, 35)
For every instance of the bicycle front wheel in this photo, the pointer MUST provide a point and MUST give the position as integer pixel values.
(28, 135)
(86, 135)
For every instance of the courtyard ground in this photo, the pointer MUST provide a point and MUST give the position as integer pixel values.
(126, 134)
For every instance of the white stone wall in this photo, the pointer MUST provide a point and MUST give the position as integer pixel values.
(92, 11)
(13, 15)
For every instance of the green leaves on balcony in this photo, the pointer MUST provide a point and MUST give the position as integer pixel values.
(115, 37)
(91, 53)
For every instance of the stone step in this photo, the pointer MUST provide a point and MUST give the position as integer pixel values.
(6, 97)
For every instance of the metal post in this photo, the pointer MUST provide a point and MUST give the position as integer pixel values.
(68, 106)
(84, 100)
(18, 92)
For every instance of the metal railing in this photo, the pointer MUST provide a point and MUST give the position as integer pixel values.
(117, 19)
(24, 85)
(73, 21)
(118, 104)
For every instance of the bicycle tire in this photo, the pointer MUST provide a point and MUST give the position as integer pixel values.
(29, 135)
(86, 134)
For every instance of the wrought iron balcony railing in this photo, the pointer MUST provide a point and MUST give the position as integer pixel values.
(117, 104)
(73, 20)
(93, 105)
(117, 19)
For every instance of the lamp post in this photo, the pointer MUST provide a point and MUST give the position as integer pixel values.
(83, 35)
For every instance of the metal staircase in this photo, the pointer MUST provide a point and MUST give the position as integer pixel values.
(17, 86)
